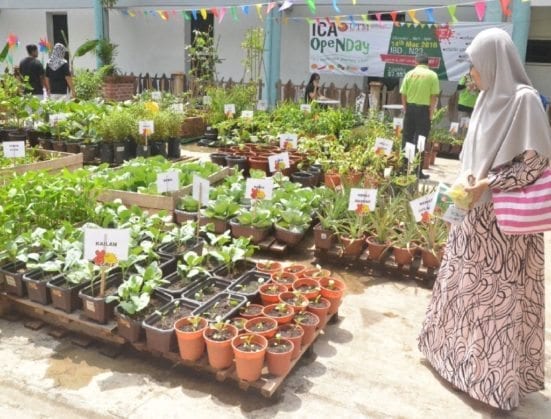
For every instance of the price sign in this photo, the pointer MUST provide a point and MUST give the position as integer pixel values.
(259, 188)
(168, 181)
(288, 141)
(423, 205)
(454, 215)
(177, 107)
(278, 162)
(409, 151)
(56, 118)
(146, 127)
(200, 190)
(383, 145)
(262, 105)
(156, 96)
(454, 128)
(306, 108)
(106, 246)
(14, 149)
(421, 141)
(247, 114)
(229, 110)
(207, 100)
(362, 200)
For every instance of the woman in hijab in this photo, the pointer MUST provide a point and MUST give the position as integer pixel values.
(484, 330)
(58, 74)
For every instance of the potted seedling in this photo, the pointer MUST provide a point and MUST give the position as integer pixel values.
(234, 258)
(223, 305)
(278, 355)
(309, 287)
(249, 284)
(264, 326)
(249, 351)
(255, 224)
(320, 307)
(333, 290)
(281, 312)
(219, 212)
(189, 333)
(292, 226)
(218, 337)
(269, 293)
(250, 311)
(188, 271)
(180, 240)
(295, 299)
(294, 333)
(186, 210)
(309, 323)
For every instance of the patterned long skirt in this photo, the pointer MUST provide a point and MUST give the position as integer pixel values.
(484, 329)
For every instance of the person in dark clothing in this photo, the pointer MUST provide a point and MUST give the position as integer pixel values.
(58, 74)
(32, 68)
(312, 89)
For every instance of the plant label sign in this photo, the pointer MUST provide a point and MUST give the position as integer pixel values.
(278, 162)
(55, 118)
(200, 190)
(423, 205)
(106, 246)
(454, 215)
(362, 200)
(464, 122)
(229, 110)
(14, 149)
(398, 123)
(454, 128)
(306, 108)
(442, 201)
(247, 114)
(288, 141)
(146, 127)
(156, 96)
(259, 189)
(382, 145)
(262, 105)
(409, 151)
(207, 100)
(168, 181)
(177, 107)
(387, 172)
(421, 142)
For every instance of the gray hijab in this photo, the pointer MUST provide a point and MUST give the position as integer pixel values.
(57, 59)
(508, 117)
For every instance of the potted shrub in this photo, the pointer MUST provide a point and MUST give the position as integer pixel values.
(333, 290)
(249, 351)
(264, 326)
(218, 337)
(294, 333)
(186, 210)
(255, 224)
(292, 226)
(309, 323)
(278, 355)
(269, 293)
(189, 333)
(351, 233)
(281, 312)
(434, 234)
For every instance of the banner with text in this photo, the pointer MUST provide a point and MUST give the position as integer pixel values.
(384, 49)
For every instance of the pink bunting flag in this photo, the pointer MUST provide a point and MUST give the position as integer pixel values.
(379, 19)
(480, 8)
(12, 40)
(221, 13)
(271, 6)
(505, 7)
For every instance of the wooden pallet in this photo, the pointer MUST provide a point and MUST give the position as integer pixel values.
(271, 244)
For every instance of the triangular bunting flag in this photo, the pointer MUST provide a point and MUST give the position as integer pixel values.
(379, 19)
(204, 13)
(245, 9)
(452, 8)
(412, 16)
(312, 6)
(233, 11)
(186, 15)
(505, 7)
(338, 21)
(214, 12)
(286, 5)
(429, 13)
(310, 21)
(480, 9)
(351, 18)
(259, 11)
(271, 6)
(221, 13)
(162, 14)
(336, 7)
(194, 14)
(328, 20)
(365, 19)
(132, 13)
(393, 16)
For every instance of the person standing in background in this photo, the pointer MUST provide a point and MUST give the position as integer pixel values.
(312, 88)
(468, 92)
(32, 68)
(58, 74)
(420, 90)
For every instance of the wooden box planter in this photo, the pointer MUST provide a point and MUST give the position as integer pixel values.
(54, 162)
(119, 88)
(12, 275)
(193, 127)
(36, 281)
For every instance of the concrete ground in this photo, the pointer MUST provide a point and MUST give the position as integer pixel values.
(367, 365)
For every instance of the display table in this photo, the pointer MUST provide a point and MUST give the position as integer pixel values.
(327, 102)
(393, 110)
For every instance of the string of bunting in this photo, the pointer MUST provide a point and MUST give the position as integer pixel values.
(271, 8)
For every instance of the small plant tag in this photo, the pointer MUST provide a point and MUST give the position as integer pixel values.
(56, 118)
(177, 107)
(362, 200)
(454, 128)
(106, 246)
(156, 96)
(454, 215)
(422, 205)
(207, 100)
(229, 110)
(421, 141)
(409, 151)
(168, 181)
(383, 145)
(14, 149)
(200, 190)
(146, 127)
(464, 122)
(262, 105)
(387, 172)
(247, 114)
(306, 108)
(278, 162)
(259, 189)
(288, 141)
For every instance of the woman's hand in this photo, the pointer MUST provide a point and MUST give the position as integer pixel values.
(477, 190)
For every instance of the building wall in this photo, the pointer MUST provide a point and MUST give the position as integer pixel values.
(540, 29)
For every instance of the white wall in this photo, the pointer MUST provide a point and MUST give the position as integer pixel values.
(540, 74)
(80, 25)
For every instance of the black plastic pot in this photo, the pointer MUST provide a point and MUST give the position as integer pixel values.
(120, 152)
(95, 307)
(59, 145)
(164, 340)
(106, 153)
(171, 249)
(12, 274)
(240, 162)
(45, 143)
(17, 136)
(306, 179)
(177, 290)
(241, 267)
(73, 148)
(32, 137)
(201, 285)
(89, 152)
(238, 286)
(65, 297)
(205, 309)
(143, 150)
(219, 158)
(159, 148)
(36, 281)
(131, 148)
(167, 264)
(173, 148)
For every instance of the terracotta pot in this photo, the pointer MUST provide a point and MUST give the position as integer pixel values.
(280, 317)
(320, 309)
(309, 322)
(294, 333)
(263, 326)
(256, 234)
(256, 311)
(332, 180)
(239, 323)
(433, 154)
(333, 293)
(376, 250)
(316, 273)
(430, 260)
(323, 239)
(278, 360)
(296, 269)
(182, 217)
(371, 181)
(299, 303)
(268, 267)
(352, 179)
(219, 352)
(259, 163)
(284, 278)
(403, 255)
(308, 287)
(352, 247)
(190, 344)
(288, 237)
(249, 364)
(219, 225)
(426, 160)
(268, 296)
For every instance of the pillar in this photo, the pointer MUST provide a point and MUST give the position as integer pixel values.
(272, 57)
(521, 26)
(101, 19)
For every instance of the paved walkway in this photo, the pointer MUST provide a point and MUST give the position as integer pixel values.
(367, 365)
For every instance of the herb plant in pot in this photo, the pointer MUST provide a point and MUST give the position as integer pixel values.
(249, 351)
(186, 210)
(281, 312)
(264, 326)
(218, 337)
(309, 323)
(189, 333)
(255, 223)
(404, 246)
(320, 307)
(279, 354)
(294, 333)
(333, 290)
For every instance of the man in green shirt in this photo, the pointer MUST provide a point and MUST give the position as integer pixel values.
(467, 95)
(420, 90)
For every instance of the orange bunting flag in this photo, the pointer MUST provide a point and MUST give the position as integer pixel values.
(204, 14)
(452, 10)
(162, 14)
(412, 16)
(214, 12)
(393, 16)
(505, 7)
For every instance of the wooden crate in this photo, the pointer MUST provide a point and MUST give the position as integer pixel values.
(57, 161)
(193, 127)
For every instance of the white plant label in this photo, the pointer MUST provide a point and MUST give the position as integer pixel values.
(278, 162)
(168, 181)
(10, 280)
(387, 172)
(454, 127)
(120, 149)
(454, 215)
(55, 118)
(177, 107)
(106, 246)
(464, 122)
(362, 200)
(384, 145)
(262, 105)
(381, 116)
(398, 122)
(259, 189)
(423, 205)
(13, 149)
(409, 151)
(229, 110)
(306, 108)
(200, 190)
(421, 142)
(288, 141)
(156, 96)
(247, 114)
(146, 127)
(207, 100)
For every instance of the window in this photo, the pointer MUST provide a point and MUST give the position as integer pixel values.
(538, 51)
